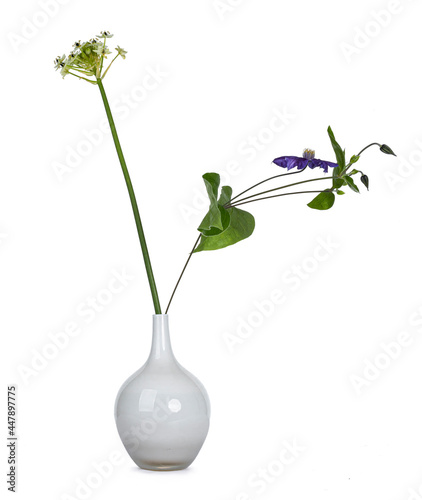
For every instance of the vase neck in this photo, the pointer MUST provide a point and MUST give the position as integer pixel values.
(161, 345)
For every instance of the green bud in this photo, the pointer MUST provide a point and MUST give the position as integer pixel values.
(365, 181)
(387, 150)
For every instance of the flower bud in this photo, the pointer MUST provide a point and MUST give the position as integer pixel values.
(365, 181)
(387, 150)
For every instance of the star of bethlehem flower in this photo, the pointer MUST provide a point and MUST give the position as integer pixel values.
(307, 160)
(102, 50)
(121, 52)
(105, 34)
(87, 59)
(59, 62)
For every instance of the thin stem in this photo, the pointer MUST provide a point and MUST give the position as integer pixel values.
(108, 67)
(265, 180)
(283, 187)
(369, 145)
(372, 144)
(83, 78)
(132, 197)
(102, 60)
(183, 270)
(273, 196)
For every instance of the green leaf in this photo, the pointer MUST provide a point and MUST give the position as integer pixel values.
(354, 171)
(338, 182)
(212, 181)
(213, 219)
(225, 221)
(340, 192)
(340, 153)
(226, 195)
(241, 226)
(323, 201)
(351, 184)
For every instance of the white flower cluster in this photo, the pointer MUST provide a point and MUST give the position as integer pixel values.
(87, 58)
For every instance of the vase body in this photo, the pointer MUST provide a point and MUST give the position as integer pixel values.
(162, 411)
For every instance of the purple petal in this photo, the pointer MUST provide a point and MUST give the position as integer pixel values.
(321, 164)
(290, 162)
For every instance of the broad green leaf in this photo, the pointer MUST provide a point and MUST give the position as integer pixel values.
(213, 219)
(226, 195)
(212, 182)
(323, 201)
(225, 221)
(351, 184)
(340, 153)
(337, 183)
(242, 225)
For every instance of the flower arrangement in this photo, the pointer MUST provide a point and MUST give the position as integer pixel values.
(224, 224)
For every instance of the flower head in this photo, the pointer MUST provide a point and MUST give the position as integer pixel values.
(102, 50)
(59, 62)
(105, 34)
(65, 70)
(121, 52)
(307, 160)
(87, 59)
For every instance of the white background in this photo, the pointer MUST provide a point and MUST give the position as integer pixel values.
(226, 69)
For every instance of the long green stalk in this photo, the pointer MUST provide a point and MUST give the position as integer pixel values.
(132, 197)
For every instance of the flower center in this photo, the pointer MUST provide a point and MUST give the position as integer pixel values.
(309, 154)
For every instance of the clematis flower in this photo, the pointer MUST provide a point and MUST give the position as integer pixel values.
(307, 160)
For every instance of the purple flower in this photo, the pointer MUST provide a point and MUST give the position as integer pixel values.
(307, 160)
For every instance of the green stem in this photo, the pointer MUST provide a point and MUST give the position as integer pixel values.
(273, 196)
(368, 146)
(83, 78)
(283, 187)
(372, 144)
(266, 180)
(108, 67)
(142, 240)
(183, 270)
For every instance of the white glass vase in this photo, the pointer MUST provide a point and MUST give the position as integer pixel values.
(162, 411)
